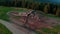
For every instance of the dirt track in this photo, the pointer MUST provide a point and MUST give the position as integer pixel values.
(14, 29)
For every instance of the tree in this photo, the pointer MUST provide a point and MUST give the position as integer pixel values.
(15, 2)
(28, 4)
(46, 8)
(32, 4)
(57, 11)
(23, 3)
(36, 5)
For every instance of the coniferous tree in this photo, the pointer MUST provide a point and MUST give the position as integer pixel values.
(57, 11)
(23, 3)
(36, 5)
(15, 2)
(28, 4)
(46, 8)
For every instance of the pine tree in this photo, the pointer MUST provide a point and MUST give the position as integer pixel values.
(46, 8)
(23, 3)
(36, 5)
(15, 2)
(28, 4)
(57, 11)
(32, 6)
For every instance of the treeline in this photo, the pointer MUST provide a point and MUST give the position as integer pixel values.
(45, 7)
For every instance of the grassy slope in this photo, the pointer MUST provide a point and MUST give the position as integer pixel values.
(4, 30)
(4, 10)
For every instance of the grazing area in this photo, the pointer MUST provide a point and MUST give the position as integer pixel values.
(4, 30)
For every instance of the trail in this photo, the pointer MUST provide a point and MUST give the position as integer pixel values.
(14, 29)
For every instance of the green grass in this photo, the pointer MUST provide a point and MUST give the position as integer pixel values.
(4, 10)
(45, 29)
(4, 16)
(38, 32)
(56, 27)
(54, 30)
(53, 16)
(49, 31)
(4, 30)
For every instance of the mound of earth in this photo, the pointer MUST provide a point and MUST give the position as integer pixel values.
(34, 20)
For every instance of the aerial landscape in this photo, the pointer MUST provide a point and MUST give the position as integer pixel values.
(29, 17)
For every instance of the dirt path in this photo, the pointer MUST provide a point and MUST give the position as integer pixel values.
(14, 29)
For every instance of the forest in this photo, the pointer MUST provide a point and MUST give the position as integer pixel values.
(48, 8)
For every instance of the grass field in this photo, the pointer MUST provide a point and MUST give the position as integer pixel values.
(4, 30)
(4, 16)
(53, 16)
(4, 10)
(54, 30)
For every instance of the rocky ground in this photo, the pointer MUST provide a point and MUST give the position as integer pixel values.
(35, 21)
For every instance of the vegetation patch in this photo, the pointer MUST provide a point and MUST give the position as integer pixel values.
(4, 10)
(38, 32)
(4, 16)
(4, 30)
(53, 16)
(54, 30)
